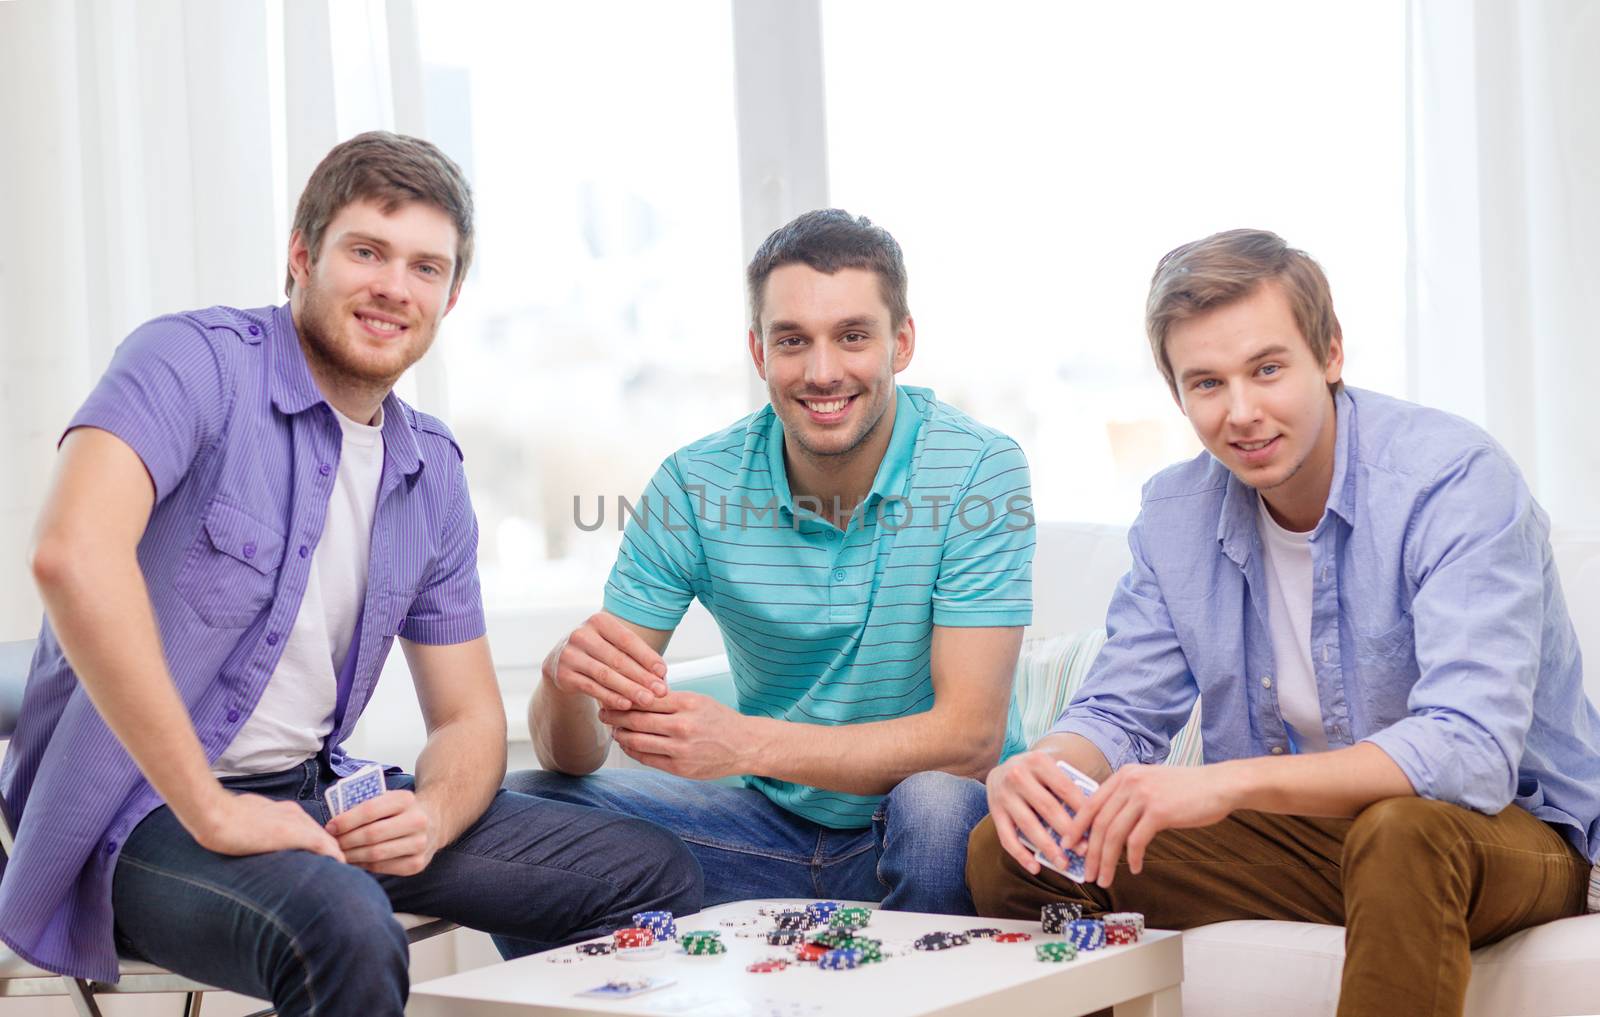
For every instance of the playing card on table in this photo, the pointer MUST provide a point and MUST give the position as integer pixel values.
(1074, 870)
(363, 785)
(622, 988)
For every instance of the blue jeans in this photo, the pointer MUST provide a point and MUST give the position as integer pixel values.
(912, 858)
(317, 936)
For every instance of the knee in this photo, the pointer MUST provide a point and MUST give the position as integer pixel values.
(934, 807)
(539, 783)
(1407, 834)
(345, 924)
(667, 868)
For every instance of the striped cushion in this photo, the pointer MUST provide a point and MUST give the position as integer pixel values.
(1050, 671)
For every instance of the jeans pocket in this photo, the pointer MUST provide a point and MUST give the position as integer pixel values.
(231, 570)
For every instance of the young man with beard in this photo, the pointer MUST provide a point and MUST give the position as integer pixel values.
(866, 551)
(1362, 594)
(243, 519)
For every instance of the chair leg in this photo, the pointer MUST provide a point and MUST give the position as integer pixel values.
(82, 996)
(191, 1004)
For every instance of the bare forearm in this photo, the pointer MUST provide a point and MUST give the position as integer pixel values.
(1337, 784)
(871, 758)
(1077, 751)
(566, 730)
(460, 768)
(99, 608)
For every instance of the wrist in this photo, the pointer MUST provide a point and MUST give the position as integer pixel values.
(1238, 783)
(756, 740)
(204, 814)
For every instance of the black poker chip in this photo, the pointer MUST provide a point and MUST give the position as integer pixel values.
(594, 949)
(982, 933)
(785, 937)
(941, 940)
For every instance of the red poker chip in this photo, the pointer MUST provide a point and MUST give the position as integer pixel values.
(765, 967)
(810, 953)
(633, 937)
(1012, 937)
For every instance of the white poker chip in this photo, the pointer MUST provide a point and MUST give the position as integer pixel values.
(636, 953)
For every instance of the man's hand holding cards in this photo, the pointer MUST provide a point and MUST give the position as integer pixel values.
(1032, 798)
(389, 832)
(1074, 861)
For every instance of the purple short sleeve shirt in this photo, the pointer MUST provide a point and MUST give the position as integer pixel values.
(243, 451)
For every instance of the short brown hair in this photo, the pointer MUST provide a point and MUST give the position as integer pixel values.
(828, 239)
(1229, 266)
(390, 169)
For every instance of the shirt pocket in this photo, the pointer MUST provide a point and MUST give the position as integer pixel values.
(1389, 653)
(231, 571)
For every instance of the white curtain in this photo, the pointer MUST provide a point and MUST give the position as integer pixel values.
(1505, 216)
(152, 154)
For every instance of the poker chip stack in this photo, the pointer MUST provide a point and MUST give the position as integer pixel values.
(982, 933)
(1086, 933)
(1054, 917)
(839, 960)
(810, 953)
(660, 924)
(821, 910)
(793, 921)
(785, 937)
(850, 919)
(1055, 951)
(594, 949)
(633, 938)
(941, 940)
(703, 943)
(1123, 927)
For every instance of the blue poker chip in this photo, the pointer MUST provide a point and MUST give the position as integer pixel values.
(1086, 933)
(840, 960)
(821, 910)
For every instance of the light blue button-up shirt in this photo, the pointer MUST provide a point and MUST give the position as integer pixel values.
(1438, 629)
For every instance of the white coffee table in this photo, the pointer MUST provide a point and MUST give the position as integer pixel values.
(984, 977)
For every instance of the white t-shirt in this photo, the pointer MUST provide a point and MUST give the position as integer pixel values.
(295, 713)
(1288, 568)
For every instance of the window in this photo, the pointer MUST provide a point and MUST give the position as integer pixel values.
(1036, 161)
(603, 325)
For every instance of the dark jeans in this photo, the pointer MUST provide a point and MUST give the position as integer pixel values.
(912, 857)
(317, 936)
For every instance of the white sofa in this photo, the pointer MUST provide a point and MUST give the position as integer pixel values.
(1246, 969)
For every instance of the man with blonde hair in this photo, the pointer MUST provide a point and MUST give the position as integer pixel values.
(1362, 594)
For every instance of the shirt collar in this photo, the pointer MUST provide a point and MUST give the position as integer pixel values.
(1237, 532)
(893, 472)
(294, 391)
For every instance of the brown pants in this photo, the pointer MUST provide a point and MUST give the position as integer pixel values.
(1416, 883)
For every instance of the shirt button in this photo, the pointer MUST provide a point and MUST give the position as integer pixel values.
(324, 469)
(838, 575)
(272, 639)
(1277, 750)
(304, 550)
(249, 550)
(1266, 681)
(255, 330)
(233, 716)
(111, 847)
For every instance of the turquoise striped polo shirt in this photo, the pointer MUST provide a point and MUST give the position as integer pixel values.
(824, 626)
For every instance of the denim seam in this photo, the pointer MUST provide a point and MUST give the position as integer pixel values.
(294, 943)
(745, 849)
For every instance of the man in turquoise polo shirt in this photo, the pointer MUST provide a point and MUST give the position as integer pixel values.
(867, 552)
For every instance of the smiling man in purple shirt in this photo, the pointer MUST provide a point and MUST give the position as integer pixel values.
(243, 518)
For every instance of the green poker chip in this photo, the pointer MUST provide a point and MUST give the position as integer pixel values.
(1055, 951)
